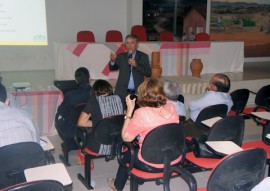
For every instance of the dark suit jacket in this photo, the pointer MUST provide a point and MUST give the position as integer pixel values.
(72, 98)
(143, 69)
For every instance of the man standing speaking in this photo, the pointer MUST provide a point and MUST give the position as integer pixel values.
(133, 65)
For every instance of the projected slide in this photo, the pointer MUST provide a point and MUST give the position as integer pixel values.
(23, 22)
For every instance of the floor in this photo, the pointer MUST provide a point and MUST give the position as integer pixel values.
(104, 170)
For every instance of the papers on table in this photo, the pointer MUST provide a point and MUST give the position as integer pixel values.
(268, 136)
(46, 143)
(49, 172)
(262, 114)
(210, 122)
(224, 147)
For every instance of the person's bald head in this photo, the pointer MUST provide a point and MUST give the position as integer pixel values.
(219, 82)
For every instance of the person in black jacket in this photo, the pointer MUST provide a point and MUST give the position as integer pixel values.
(72, 98)
(133, 66)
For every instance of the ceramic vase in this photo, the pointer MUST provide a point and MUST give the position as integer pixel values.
(196, 67)
(155, 65)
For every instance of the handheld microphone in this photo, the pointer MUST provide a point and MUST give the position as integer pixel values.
(129, 54)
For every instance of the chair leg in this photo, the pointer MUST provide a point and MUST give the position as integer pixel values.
(86, 180)
(167, 173)
(64, 157)
(166, 181)
(134, 186)
(268, 162)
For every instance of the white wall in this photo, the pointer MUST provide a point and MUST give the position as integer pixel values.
(64, 19)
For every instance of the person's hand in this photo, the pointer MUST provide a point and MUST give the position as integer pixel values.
(130, 105)
(208, 87)
(113, 56)
(132, 62)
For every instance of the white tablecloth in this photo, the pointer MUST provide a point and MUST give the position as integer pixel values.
(42, 102)
(175, 57)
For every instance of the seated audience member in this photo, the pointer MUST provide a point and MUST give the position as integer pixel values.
(216, 93)
(71, 99)
(172, 90)
(102, 103)
(16, 125)
(153, 112)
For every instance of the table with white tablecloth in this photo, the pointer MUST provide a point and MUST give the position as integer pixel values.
(175, 57)
(42, 102)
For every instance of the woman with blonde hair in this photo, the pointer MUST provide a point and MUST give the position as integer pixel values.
(153, 111)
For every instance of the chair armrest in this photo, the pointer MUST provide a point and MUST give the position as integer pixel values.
(187, 176)
(121, 148)
(256, 119)
(80, 136)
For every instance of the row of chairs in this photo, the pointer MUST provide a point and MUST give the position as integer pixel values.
(239, 97)
(138, 30)
(173, 146)
(235, 127)
(242, 170)
(88, 36)
(116, 36)
(232, 127)
(166, 143)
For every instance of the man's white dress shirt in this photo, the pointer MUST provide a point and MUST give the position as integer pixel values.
(16, 126)
(209, 98)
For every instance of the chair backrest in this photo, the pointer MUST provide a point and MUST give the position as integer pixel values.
(202, 37)
(230, 128)
(66, 85)
(85, 36)
(166, 36)
(165, 140)
(140, 32)
(210, 112)
(15, 158)
(114, 36)
(108, 130)
(41, 185)
(238, 172)
(263, 97)
(239, 98)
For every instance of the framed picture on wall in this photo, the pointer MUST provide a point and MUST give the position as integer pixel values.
(247, 21)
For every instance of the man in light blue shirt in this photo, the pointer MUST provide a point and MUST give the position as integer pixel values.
(16, 125)
(216, 93)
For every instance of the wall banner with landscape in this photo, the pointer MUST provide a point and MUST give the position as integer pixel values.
(242, 20)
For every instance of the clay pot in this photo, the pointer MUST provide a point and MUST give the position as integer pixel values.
(155, 65)
(155, 59)
(156, 72)
(196, 67)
